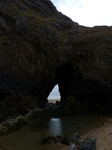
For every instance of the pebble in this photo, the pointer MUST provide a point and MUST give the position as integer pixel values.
(80, 127)
(104, 123)
(94, 128)
(72, 147)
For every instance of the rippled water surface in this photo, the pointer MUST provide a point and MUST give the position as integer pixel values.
(29, 137)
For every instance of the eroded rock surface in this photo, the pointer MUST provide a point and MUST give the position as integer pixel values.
(40, 47)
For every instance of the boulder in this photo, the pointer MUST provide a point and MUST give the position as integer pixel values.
(76, 138)
(51, 139)
(67, 140)
(87, 144)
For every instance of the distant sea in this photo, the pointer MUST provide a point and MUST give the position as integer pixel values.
(53, 100)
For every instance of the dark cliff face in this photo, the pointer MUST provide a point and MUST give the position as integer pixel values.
(40, 47)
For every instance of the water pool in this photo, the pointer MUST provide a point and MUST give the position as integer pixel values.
(29, 137)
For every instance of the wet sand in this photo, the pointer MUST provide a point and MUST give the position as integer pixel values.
(25, 139)
(102, 134)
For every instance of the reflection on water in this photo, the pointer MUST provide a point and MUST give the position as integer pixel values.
(26, 139)
(55, 126)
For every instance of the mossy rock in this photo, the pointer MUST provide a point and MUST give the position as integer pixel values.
(87, 144)
(12, 125)
(52, 139)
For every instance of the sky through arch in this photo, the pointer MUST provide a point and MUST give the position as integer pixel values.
(54, 93)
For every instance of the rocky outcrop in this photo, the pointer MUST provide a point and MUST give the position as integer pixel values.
(40, 47)
(74, 142)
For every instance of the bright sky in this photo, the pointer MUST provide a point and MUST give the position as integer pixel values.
(55, 93)
(86, 12)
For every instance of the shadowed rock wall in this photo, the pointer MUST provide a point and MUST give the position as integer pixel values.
(40, 47)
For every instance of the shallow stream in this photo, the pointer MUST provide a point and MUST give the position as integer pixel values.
(29, 137)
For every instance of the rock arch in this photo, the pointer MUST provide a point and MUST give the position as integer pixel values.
(52, 50)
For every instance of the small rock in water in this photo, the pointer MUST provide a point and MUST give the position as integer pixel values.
(72, 147)
(104, 123)
(57, 103)
(51, 139)
(76, 138)
(67, 140)
(80, 127)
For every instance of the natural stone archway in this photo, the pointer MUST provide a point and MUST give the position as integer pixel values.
(40, 47)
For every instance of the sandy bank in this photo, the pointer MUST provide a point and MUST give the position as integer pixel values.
(102, 134)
